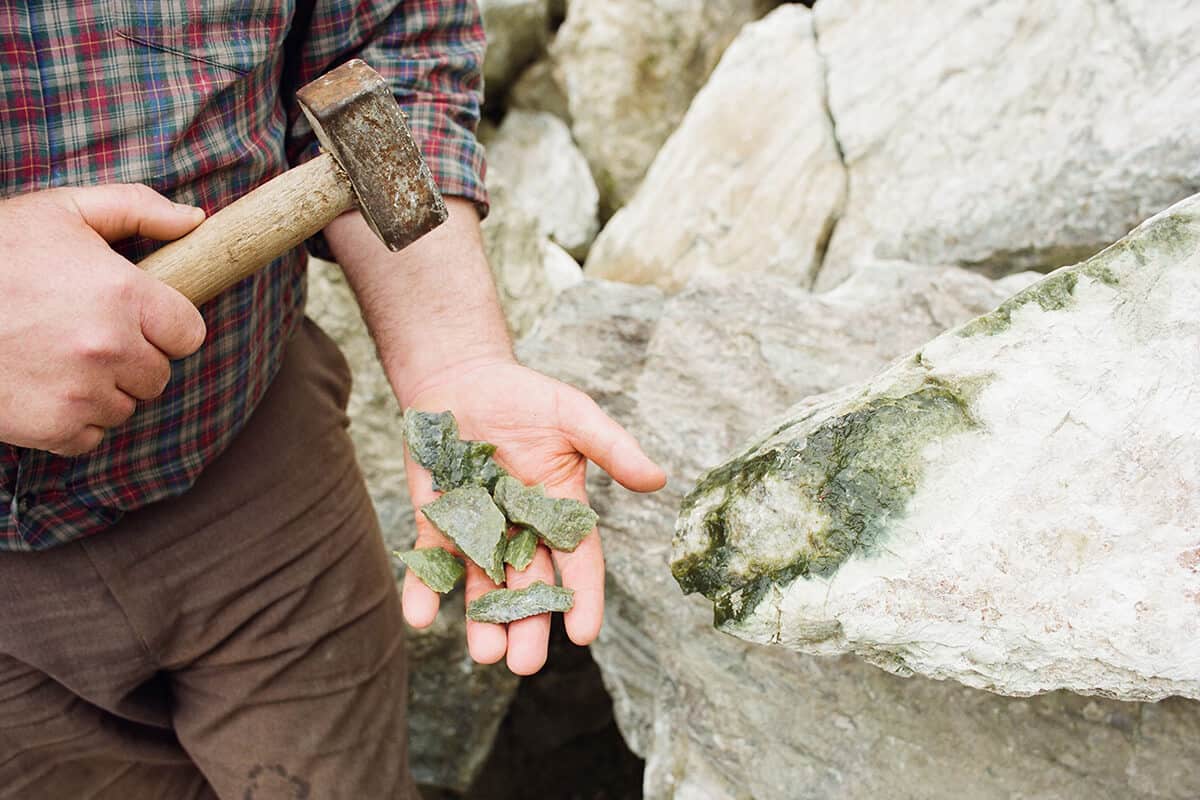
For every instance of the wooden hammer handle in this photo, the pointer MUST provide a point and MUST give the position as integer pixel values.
(248, 234)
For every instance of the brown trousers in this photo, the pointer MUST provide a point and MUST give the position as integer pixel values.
(241, 641)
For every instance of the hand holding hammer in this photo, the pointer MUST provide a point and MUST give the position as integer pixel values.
(370, 160)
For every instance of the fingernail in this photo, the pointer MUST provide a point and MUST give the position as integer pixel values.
(189, 211)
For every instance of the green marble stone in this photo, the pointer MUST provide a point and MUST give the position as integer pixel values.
(562, 524)
(520, 549)
(507, 605)
(471, 520)
(434, 444)
(436, 568)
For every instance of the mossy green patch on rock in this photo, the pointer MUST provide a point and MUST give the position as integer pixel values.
(854, 471)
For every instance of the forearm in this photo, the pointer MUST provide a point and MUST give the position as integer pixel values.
(429, 307)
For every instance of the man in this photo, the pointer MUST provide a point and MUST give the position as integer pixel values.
(195, 598)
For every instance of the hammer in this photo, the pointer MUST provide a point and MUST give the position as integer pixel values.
(370, 160)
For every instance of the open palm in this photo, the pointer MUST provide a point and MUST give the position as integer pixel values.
(545, 432)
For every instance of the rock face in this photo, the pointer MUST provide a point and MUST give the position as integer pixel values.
(528, 268)
(454, 704)
(517, 33)
(630, 68)
(750, 182)
(1006, 136)
(547, 178)
(720, 718)
(1015, 506)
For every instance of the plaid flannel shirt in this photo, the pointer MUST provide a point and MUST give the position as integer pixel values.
(188, 97)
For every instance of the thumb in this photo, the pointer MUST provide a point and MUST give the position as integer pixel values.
(169, 320)
(602, 440)
(119, 210)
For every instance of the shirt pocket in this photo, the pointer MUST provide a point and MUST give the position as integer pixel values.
(234, 34)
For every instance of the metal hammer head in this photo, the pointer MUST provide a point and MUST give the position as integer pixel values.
(359, 122)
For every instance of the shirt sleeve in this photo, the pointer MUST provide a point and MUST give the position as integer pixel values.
(430, 52)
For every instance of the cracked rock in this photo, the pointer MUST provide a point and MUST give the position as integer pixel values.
(1007, 136)
(725, 190)
(1013, 506)
(510, 605)
(469, 518)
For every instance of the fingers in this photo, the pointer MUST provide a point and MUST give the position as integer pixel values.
(486, 641)
(169, 320)
(419, 602)
(119, 210)
(583, 572)
(602, 440)
(146, 375)
(529, 638)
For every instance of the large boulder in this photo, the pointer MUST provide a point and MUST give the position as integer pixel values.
(454, 705)
(1016, 505)
(750, 182)
(720, 718)
(547, 177)
(630, 68)
(1005, 136)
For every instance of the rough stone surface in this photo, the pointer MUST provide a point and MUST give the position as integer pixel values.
(547, 177)
(433, 441)
(538, 89)
(528, 268)
(630, 68)
(517, 33)
(750, 182)
(454, 705)
(727, 355)
(520, 549)
(1015, 506)
(436, 568)
(510, 605)
(560, 522)
(1007, 136)
(469, 518)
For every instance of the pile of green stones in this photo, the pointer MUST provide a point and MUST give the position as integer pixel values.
(479, 505)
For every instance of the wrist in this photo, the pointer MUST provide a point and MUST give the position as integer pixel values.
(411, 381)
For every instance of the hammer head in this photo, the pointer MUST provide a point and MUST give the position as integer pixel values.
(359, 122)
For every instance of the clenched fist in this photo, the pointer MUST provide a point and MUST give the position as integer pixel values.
(85, 334)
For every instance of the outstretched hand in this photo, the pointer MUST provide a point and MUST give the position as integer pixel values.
(545, 432)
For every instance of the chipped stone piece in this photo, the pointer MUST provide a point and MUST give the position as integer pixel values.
(436, 568)
(469, 517)
(453, 462)
(520, 549)
(560, 522)
(507, 605)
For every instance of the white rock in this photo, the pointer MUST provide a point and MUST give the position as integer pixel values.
(630, 68)
(529, 269)
(547, 177)
(538, 89)
(1007, 136)
(1016, 506)
(719, 718)
(517, 33)
(750, 182)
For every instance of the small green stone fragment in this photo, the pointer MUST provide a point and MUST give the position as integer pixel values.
(507, 605)
(520, 549)
(562, 524)
(469, 517)
(434, 444)
(436, 568)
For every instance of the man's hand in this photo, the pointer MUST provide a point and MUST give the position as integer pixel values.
(85, 334)
(433, 313)
(545, 432)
